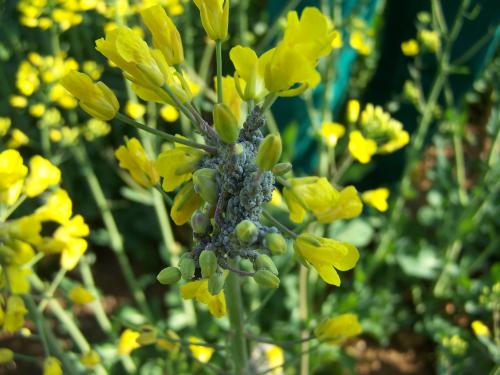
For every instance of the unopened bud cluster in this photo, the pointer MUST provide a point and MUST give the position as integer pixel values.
(233, 184)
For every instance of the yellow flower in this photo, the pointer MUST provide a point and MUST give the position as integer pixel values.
(90, 359)
(231, 97)
(377, 198)
(171, 346)
(6, 355)
(5, 124)
(337, 40)
(360, 43)
(176, 166)
(326, 255)
(20, 252)
(58, 208)
(80, 295)
(480, 329)
(331, 132)
(275, 359)
(18, 101)
(18, 279)
(95, 98)
(95, 128)
(410, 47)
(430, 40)
(250, 70)
(214, 17)
(169, 113)
(135, 110)
(186, 202)
(27, 80)
(311, 35)
(334, 331)
(455, 344)
(73, 245)
(26, 228)
(200, 352)
(43, 174)
(17, 139)
(92, 69)
(133, 158)
(12, 168)
(37, 110)
(199, 290)
(14, 314)
(166, 37)
(52, 366)
(317, 195)
(361, 149)
(128, 341)
(353, 108)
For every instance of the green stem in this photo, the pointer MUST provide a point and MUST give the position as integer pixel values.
(218, 59)
(303, 313)
(52, 289)
(116, 240)
(279, 225)
(164, 135)
(237, 341)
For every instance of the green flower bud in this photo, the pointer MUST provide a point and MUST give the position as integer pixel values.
(247, 232)
(281, 169)
(187, 267)
(266, 279)
(269, 152)
(147, 335)
(205, 184)
(216, 283)
(275, 243)
(169, 275)
(265, 262)
(208, 263)
(226, 125)
(200, 222)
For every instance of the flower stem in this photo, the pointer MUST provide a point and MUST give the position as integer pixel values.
(159, 133)
(303, 312)
(237, 340)
(218, 59)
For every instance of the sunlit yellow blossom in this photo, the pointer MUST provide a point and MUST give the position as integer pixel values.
(169, 113)
(95, 128)
(430, 40)
(128, 341)
(17, 139)
(52, 366)
(75, 246)
(275, 359)
(17, 252)
(80, 295)
(250, 70)
(361, 149)
(326, 255)
(166, 37)
(58, 208)
(185, 203)
(92, 69)
(337, 40)
(95, 98)
(360, 42)
(6, 355)
(26, 228)
(133, 158)
(12, 168)
(334, 331)
(27, 80)
(43, 174)
(135, 110)
(14, 314)
(5, 124)
(18, 101)
(201, 352)
(199, 290)
(18, 279)
(331, 132)
(90, 359)
(317, 195)
(410, 47)
(480, 329)
(214, 17)
(176, 165)
(277, 198)
(352, 111)
(37, 110)
(377, 198)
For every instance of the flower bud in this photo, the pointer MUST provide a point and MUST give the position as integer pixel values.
(266, 279)
(147, 335)
(226, 125)
(200, 222)
(216, 283)
(247, 232)
(281, 169)
(352, 112)
(208, 263)
(205, 184)
(169, 275)
(269, 152)
(187, 267)
(275, 243)
(265, 262)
